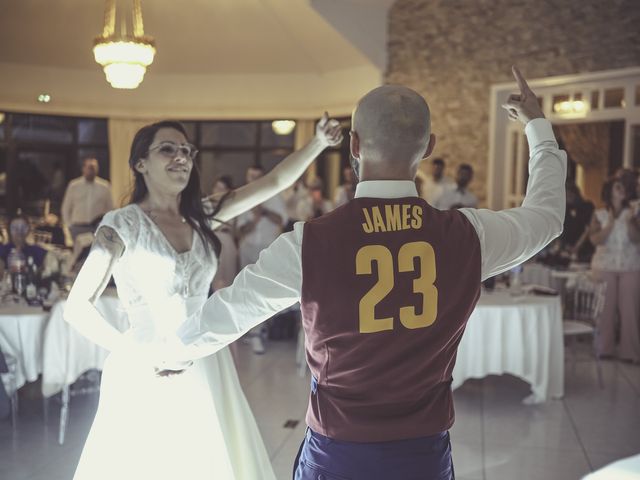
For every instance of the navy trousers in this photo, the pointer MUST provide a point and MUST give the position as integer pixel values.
(424, 458)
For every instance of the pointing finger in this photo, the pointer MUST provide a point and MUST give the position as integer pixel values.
(522, 83)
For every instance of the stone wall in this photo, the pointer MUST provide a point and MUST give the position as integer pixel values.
(452, 51)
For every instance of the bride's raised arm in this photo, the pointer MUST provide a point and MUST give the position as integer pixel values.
(328, 133)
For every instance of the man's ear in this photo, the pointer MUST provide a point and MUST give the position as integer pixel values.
(430, 146)
(354, 144)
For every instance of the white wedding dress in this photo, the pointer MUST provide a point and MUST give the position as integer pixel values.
(193, 426)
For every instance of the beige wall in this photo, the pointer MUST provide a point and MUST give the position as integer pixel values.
(452, 52)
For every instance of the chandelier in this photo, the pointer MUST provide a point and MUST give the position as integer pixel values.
(283, 127)
(124, 58)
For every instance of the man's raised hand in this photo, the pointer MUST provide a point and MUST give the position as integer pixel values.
(523, 106)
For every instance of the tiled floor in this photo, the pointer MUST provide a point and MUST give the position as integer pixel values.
(495, 435)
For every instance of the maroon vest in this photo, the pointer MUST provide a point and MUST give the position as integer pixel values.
(387, 288)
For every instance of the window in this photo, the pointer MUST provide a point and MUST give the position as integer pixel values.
(614, 98)
(230, 147)
(40, 154)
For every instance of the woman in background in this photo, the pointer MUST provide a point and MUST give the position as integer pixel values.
(617, 262)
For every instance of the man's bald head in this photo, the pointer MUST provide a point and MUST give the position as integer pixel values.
(393, 124)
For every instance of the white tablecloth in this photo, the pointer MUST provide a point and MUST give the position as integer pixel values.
(21, 333)
(521, 336)
(67, 354)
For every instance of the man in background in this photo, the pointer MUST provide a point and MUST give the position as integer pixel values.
(87, 198)
(459, 196)
(435, 184)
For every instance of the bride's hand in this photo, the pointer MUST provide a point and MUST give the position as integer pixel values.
(329, 131)
(171, 370)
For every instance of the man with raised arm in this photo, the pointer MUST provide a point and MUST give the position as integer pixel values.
(386, 285)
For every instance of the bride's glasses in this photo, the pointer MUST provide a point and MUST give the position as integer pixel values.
(170, 149)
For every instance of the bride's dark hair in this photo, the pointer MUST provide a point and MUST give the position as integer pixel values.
(191, 198)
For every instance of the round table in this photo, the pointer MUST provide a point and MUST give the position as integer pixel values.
(21, 335)
(521, 336)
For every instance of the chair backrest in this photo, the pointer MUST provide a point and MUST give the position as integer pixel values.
(42, 237)
(588, 299)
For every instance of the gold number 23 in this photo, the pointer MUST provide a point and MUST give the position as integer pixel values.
(423, 285)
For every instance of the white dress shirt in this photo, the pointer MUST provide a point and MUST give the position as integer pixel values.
(507, 238)
(85, 201)
(432, 190)
(456, 196)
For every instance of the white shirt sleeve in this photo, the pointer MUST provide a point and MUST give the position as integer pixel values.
(260, 290)
(510, 237)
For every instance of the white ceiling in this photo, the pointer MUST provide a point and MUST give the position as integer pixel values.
(192, 36)
(202, 44)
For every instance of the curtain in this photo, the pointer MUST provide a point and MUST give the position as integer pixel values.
(121, 133)
(587, 144)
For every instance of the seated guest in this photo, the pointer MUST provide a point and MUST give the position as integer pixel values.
(18, 232)
(52, 227)
(458, 196)
(617, 262)
(575, 235)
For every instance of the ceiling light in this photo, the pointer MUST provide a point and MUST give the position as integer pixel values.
(44, 98)
(124, 58)
(570, 107)
(283, 127)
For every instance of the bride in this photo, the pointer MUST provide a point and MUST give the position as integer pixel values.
(162, 253)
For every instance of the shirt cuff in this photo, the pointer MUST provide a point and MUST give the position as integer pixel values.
(537, 131)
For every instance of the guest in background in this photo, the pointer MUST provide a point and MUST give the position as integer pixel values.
(293, 197)
(315, 205)
(228, 260)
(575, 234)
(629, 179)
(87, 198)
(458, 196)
(345, 192)
(258, 228)
(5, 403)
(51, 226)
(18, 248)
(617, 261)
(436, 183)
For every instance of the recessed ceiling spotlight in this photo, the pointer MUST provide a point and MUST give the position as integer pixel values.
(44, 98)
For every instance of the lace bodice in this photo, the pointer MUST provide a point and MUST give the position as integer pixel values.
(158, 287)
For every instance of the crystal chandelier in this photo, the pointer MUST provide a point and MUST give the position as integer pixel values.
(124, 58)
